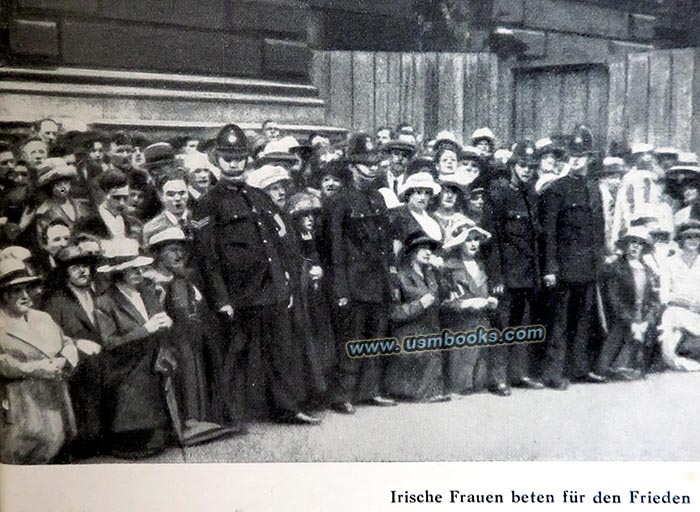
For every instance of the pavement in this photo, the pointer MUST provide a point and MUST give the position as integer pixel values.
(652, 419)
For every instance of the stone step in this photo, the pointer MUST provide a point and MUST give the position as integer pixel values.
(79, 97)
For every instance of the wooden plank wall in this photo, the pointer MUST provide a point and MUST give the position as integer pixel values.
(554, 100)
(647, 97)
(653, 97)
(432, 91)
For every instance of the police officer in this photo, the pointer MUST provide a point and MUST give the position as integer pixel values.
(574, 246)
(358, 251)
(510, 213)
(241, 247)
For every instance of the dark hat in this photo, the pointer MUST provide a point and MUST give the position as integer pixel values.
(548, 145)
(158, 154)
(358, 144)
(581, 141)
(420, 164)
(416, 240)
(687, 229)
(87, 252)
(304, 150)
(302, 202)
(400, 145)
(140, 139)
(84, 141)
(524, 151)
(230, 140)
(336, 168)
(122, 139)
(371, 158)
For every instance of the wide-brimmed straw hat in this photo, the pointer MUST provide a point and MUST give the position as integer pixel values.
(122, 254)
(54, 169)
(167, 236)
(461, 231)
(636, 234)
(266, 176)
(14, 272)
(419, 180)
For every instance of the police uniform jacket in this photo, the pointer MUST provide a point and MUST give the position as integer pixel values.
(510, 215)
(574, 229)
(357, 239)
(245, 248)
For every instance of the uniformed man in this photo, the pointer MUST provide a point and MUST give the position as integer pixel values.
(510, 213)
(574, 244)
(240, 244)
(358, 247)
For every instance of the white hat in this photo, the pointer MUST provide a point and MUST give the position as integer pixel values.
(196, 160)
(460, 231)
(267, 175)
(279, 149)
(447, 136)
(502, 155)
(610, 161)
(121, 254)
(17, 252)
(638, 234)
(483, 133)
(667, 151)
(173, 234)
(641, 147)
(686, 162)
(419, 180)
(14, 272)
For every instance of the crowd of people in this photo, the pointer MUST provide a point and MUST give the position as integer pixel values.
(157, 293)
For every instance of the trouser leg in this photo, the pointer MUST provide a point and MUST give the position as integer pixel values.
(555, 351)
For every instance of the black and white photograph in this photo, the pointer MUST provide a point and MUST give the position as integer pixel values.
(273, 231)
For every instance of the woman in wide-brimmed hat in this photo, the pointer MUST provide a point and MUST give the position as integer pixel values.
(451, 203)
(417, 192)
(35, 361)
(465, 305)
(54, 180)
(132, 324)
(633, 306)
(414, 312)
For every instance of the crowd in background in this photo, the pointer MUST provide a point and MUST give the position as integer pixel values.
(157, 293)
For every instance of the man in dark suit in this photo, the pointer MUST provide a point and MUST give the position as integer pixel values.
(574, 246)
(510, 213)
(240, 242)
(111, 221)
(357, 237)
(71, 303)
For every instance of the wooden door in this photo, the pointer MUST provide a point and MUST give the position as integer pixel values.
(554, 100)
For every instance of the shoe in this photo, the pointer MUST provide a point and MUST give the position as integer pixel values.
(558, 384)
(343, 408)
(300, 418)
(528, 383)
(629, 374)
(380, 401)
(501, 389)
(593, 378)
